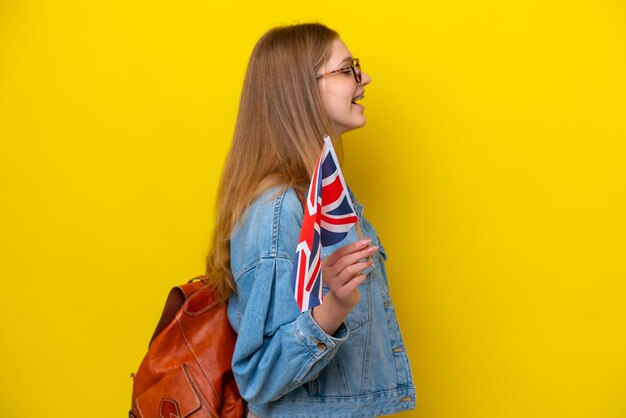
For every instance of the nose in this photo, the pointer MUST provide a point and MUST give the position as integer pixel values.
(365, 78)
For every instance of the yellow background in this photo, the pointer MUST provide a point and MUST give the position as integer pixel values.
(492, 165)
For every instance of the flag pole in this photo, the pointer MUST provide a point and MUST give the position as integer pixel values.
(371, 257)
(358, 231)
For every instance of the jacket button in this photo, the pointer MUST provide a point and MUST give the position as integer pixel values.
(405, 399)
(320, 345)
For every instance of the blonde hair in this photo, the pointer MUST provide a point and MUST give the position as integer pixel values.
(278, 133)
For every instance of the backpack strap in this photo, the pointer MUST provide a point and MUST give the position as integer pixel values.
(300, 197)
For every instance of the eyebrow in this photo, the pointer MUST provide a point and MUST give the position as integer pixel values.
(346, 59)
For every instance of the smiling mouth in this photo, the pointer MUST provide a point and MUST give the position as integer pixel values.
(355, 99)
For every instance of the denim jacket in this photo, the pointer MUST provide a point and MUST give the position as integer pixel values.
(285, 365)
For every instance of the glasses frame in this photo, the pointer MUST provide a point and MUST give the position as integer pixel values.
(354, 66)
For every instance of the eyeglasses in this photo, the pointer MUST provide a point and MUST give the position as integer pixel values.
(355, 67)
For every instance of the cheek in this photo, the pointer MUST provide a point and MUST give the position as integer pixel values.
(333, 106)
(338, 101)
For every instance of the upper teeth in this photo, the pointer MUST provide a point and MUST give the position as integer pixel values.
(358, 98)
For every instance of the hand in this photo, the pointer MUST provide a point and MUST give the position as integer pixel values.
(341, 271)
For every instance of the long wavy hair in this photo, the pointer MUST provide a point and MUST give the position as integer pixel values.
(278, 135)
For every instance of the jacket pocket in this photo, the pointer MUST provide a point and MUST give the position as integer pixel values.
(382, 253)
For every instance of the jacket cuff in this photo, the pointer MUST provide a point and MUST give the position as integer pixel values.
(318, 342)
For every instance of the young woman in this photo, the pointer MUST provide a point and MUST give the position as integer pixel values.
(345, 357)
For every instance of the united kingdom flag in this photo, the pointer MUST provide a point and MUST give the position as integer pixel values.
(328, 216)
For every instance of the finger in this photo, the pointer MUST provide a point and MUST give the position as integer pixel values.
(346, 249)
(335, 281)
(350, 259)
(351, 286)
(351, 271)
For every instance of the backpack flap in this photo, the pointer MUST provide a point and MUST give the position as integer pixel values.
(175, 396)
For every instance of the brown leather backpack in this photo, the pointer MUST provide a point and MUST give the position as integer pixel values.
(187, 370)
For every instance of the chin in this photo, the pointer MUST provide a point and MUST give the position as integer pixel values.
(360, 124)
(355, 124)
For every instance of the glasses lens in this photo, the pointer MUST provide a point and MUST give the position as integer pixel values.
(356, 67)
